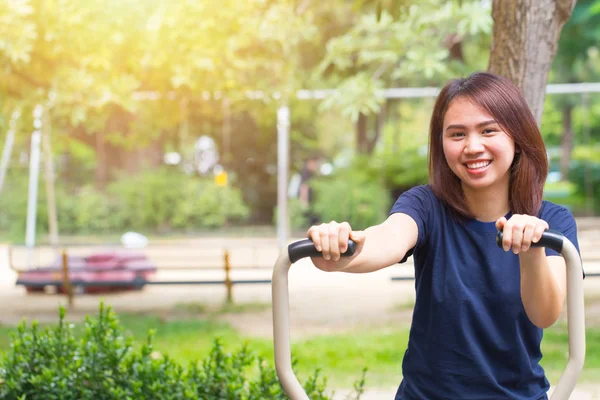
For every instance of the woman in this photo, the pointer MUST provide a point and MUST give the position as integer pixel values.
(480, 310)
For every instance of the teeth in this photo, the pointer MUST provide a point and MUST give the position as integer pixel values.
(478, 165)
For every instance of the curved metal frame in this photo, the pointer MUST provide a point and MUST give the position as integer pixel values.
(575, 311)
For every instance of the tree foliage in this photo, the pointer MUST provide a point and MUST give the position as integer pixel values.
(124, 81)
(414, 49)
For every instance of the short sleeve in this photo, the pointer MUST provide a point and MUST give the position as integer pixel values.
(417, 203)
(561, 220)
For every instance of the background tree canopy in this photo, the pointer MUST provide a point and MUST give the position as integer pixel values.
(124, 82)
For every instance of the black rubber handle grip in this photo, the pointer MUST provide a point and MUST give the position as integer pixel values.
(306, 248)
(550, 238)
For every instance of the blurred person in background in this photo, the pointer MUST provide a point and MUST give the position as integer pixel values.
(306, 192)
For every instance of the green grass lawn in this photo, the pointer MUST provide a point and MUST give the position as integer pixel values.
(340, 357)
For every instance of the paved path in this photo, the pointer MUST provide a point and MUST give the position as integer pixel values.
(319, 301)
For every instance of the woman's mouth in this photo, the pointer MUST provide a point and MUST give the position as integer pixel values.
(477, 166)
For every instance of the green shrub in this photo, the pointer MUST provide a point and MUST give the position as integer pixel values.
(159, 200)
(351, 195)
(404, 170)
(204, 204)
(13, 203)
(168, 199)
(363, 192)
(577, 175)
(100, 362)
(297, 214)
(148, 200)
(88, 211)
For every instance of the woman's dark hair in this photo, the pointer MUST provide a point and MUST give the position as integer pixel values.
(502, 100)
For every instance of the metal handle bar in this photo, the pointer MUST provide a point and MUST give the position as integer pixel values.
(575, 309)
(281, 318)
(305, 248)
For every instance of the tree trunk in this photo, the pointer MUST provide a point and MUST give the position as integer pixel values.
(453, 43)
(567, 140)
(50, 179)
(8, 145)
(101, 161)
(147, 157)
(524, 44)
(361, 134)
(226, 130)
(116, 156)
(365, 140)
(378, 128)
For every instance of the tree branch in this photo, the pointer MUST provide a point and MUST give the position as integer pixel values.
(28, 79)
(564, 8)
(380, 71)
(303, 7)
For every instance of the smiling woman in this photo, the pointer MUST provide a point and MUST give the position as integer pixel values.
(480, 310)
(485, 119)
(476, 148)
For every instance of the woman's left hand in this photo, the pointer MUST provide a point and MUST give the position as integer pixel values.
(520, 231)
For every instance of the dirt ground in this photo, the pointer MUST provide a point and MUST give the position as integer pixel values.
(319, 302)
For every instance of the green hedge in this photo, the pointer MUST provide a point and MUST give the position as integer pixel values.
(363, 192)
(155, 201)
(101, 363)
(351, 198)
(577, 175)
(355, 194)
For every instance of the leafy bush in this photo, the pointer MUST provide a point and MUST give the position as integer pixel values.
(86, 211)
(577, 175)
(101, 363)
(297, 214)
(351, 195)
(405, 170)
(158, 200)
(167, 199)
(13, 203)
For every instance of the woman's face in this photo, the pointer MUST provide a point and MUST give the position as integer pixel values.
(476, 148)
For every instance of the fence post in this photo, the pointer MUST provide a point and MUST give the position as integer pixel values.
(10, 257)
(228, 282)
(66, 278)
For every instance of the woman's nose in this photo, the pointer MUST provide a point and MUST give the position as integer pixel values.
(473, 144)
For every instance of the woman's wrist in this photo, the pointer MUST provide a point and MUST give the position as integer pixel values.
(533, 256)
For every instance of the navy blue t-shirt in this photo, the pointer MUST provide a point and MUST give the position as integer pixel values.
(470, 337)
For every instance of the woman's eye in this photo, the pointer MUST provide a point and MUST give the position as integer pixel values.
(489, 130)
(457, 134)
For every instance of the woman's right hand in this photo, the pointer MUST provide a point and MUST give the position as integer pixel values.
(332, 240)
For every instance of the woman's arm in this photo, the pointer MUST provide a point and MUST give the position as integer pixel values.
(377, 247)
(543, 286)
(543, 278)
